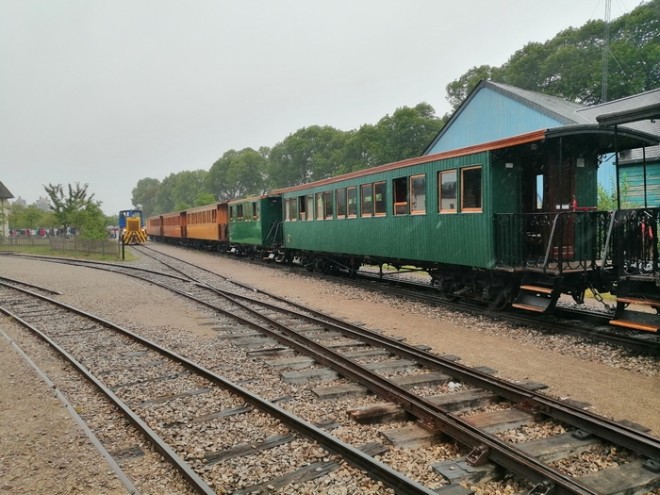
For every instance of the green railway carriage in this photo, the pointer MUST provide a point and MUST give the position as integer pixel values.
(255, 223)
(484, 220)
(435, 209)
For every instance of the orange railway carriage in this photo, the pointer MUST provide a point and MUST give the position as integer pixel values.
(207, 223)
(174, 225)
(155, 227)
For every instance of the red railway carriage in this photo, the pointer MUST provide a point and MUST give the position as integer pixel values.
(167, 227)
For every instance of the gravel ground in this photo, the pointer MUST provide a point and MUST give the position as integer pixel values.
(38, 437)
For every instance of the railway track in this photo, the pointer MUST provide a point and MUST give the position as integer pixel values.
(480, 414)
(582, 322)
(138, 376)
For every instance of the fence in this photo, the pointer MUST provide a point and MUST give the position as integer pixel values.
(104, 247)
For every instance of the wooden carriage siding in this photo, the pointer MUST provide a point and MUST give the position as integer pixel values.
(256, 220)
(434, 232)
(207, 222)
(631, 179)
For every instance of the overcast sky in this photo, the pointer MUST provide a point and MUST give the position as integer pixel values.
(110, 92)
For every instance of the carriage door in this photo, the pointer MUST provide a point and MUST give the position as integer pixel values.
(558, 196)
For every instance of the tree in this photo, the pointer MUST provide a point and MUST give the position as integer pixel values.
(76, 208)
(188, 185)
(144, 195)
(179, 191)
(237, 174)
(204, 199)
(29, 217)
(407, 132)
(309, 154)
(459, 89)
(570, 65)
(91, 222)
(606, 199)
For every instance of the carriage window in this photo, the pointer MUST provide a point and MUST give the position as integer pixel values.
(291, 205)
(328, 202)
(418, 194)
(401, 196)
(239, 211)
(379, 199)
(447, 193)
(471, 189)
(539, 192)
(309, 199)
(351, 202)
(302, 208)
(367, 200)
(320, 211)
(255, 210)
(340, 198)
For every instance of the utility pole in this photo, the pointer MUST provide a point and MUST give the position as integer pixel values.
(606, 50)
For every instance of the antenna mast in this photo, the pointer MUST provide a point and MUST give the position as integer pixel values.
(606, 50)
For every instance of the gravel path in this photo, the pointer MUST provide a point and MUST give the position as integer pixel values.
(43, 451)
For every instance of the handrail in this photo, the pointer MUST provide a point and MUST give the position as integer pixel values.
(608, 239)
(547, 252)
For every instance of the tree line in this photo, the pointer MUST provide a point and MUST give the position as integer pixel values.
(568, 66)
(72, 206)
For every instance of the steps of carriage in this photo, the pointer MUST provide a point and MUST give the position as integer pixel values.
(637, 320)
(536, 298)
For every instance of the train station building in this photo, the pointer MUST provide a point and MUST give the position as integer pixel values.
(5, 208)
(494, 111)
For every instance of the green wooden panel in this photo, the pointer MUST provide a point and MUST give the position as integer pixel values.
(261, 231)
(631, 184)
(457, 238)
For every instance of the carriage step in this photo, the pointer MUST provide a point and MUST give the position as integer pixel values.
(537, 289)
(635, 325)
(529, 307)
(642, 302)
(637, 320)
(534, 298)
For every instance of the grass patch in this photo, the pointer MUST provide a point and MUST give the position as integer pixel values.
(45, 250)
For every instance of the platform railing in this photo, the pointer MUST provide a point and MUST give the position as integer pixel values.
(634, 242)
(556, 242)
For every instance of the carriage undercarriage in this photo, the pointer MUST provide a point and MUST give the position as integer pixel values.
(541, 257)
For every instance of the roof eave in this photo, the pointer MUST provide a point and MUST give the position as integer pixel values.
(648, 112)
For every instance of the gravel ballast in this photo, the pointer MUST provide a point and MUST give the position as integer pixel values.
(44, 451)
